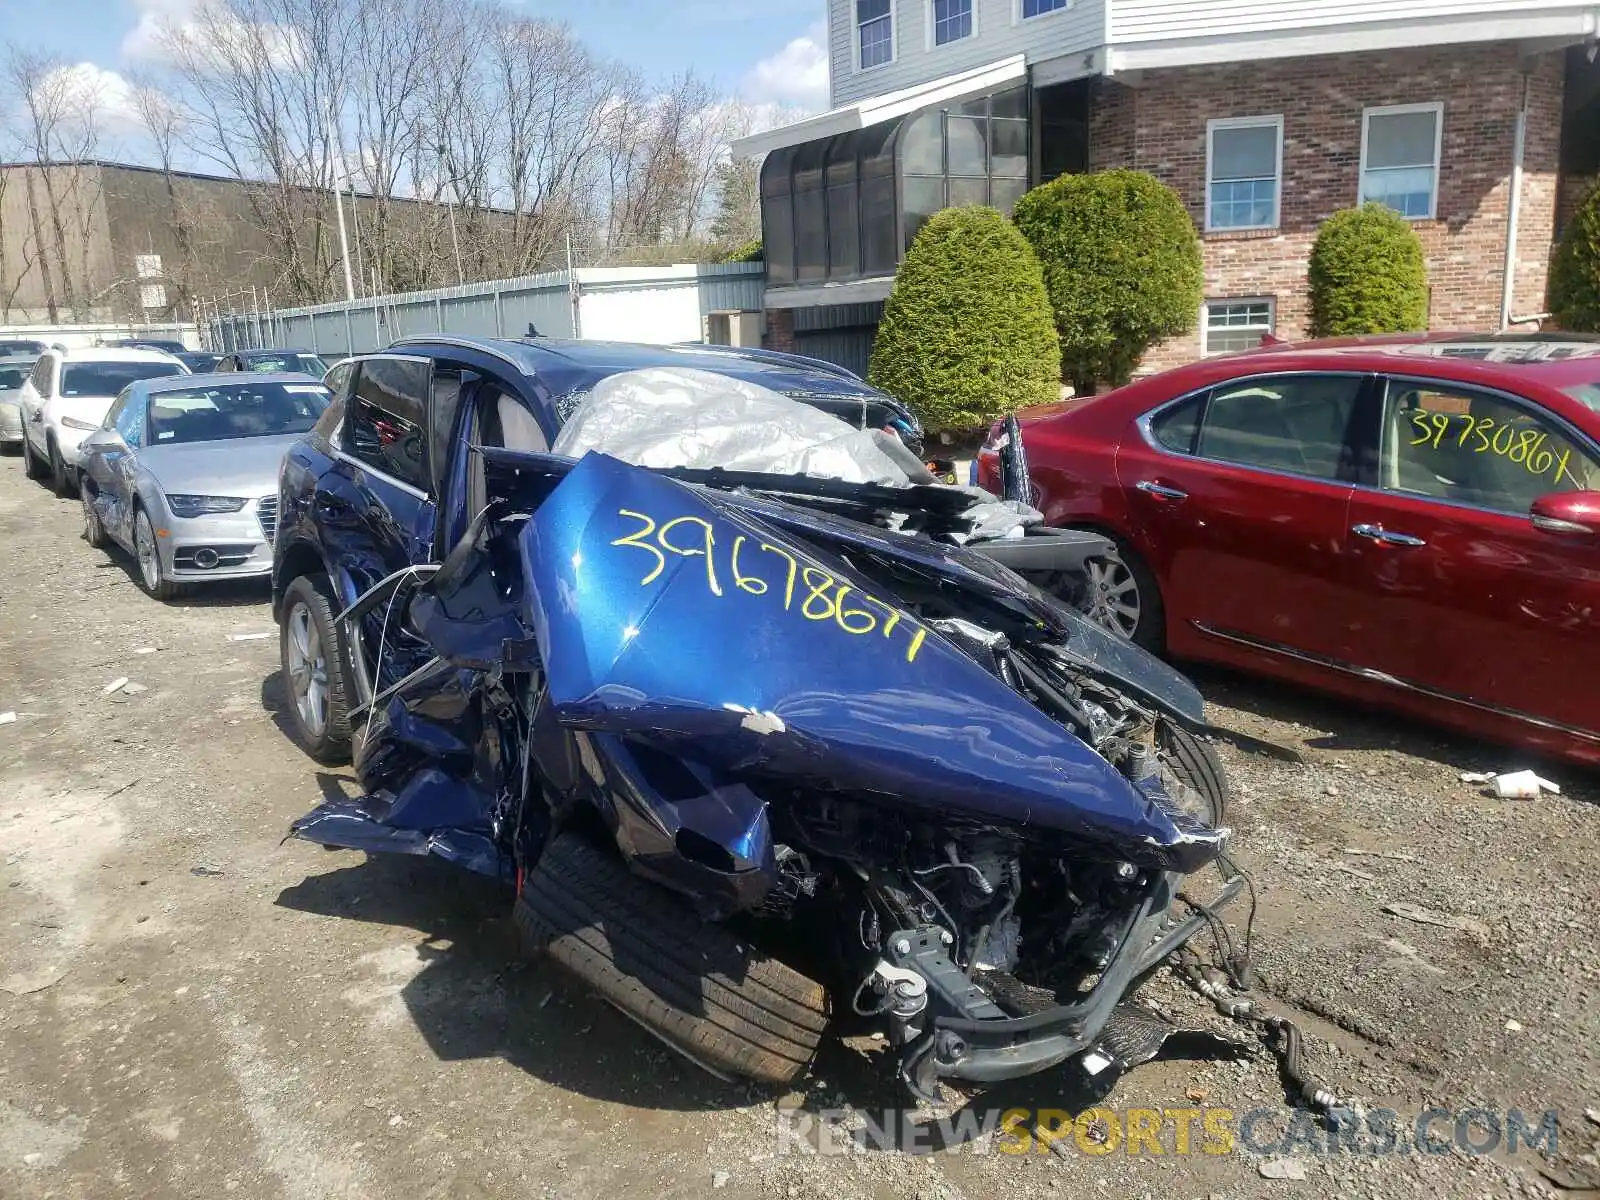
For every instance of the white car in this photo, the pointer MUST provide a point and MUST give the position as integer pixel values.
(65, 398)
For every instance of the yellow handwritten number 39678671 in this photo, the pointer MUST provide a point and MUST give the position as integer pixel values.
(822, 597)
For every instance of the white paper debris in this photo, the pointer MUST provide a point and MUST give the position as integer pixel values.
(249, 637)
(1282, 1168)
(147, 649)
(1512, 785)
(116, 685)
(7, 717)
(1094, 1062)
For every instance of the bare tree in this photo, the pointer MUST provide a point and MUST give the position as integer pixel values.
(473, 141)
(60, 124)
(264, 88)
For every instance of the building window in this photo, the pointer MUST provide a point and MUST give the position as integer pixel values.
(975, 152)
(844, 208)
(874, 32)
(1236, 324)
(1400, 158)
(1244, 163)
(952, 21)
(1037, 8)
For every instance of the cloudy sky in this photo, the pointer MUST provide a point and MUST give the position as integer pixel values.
(767, 51)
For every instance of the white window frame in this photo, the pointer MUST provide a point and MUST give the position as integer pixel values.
(1436, 107)
(1276, 121)
(1018, 18)
(929, 38)
(1224, 301)
(855, 39)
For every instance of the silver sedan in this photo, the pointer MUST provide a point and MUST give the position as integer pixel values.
(13, 371)
(183, 474)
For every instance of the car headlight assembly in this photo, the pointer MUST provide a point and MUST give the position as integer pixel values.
(203, 506)
(74, 423)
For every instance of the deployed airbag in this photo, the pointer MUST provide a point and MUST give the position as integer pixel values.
(682, 417)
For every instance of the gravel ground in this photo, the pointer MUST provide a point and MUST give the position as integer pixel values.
(189, 1006)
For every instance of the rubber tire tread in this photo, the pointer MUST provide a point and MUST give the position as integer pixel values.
(757, 1017)
(333, 749)
(1200, 767)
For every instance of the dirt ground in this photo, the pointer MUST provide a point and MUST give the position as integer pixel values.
(190, 1006)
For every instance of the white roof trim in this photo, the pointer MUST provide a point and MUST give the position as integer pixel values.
(878, 109)
(855, 291)
(1572, 25)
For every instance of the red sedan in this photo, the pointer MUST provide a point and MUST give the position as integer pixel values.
(1408, 522)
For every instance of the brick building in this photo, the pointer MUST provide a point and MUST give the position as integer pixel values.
(1478, 121)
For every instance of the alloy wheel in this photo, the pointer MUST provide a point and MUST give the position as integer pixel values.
(308, 670)
(91, 523)
(144, 541)
(1112, 596)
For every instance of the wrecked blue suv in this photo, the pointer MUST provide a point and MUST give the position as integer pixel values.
(760, 730)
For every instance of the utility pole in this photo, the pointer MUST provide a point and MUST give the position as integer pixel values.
(444, 158)
(344, 242)
(573, 296)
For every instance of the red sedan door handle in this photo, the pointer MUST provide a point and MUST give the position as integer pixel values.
(1387, 537)
(1160, 490)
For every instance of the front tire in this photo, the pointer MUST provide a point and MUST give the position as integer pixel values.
(31, 466)
(313, 670)
(93, 531)
(1197, 766)
(147, 558)
(60, 474)
(708, 994)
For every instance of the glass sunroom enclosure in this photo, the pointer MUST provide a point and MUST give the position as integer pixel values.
(846, 207)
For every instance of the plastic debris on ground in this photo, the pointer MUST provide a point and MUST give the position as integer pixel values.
(1512, 785)
(680, 417)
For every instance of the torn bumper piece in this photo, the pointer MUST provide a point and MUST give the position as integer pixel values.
(434, 814)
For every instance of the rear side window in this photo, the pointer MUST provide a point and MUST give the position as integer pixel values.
(109, 378)
(384, 420)
(1293, 423)
(1175, 428)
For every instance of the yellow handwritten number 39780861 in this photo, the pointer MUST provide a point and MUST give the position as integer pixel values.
(822, 597)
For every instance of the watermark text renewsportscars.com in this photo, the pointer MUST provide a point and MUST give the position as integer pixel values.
(1195, 1130)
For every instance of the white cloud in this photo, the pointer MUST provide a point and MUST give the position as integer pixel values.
(145, 41)
(794, 77)
(160, 21)
(86, 88)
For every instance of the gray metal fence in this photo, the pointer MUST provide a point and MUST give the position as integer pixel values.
(551, 302)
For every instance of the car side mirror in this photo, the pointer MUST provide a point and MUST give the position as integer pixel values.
(108, 439)
(1567, 512)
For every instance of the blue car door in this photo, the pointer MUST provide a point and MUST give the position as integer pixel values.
(375, 503)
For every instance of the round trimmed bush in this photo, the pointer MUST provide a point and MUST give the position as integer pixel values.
(1121, 262)
(1575, 273)
(966, 334)
(1367, 275)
